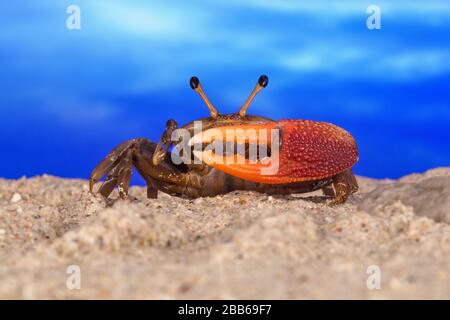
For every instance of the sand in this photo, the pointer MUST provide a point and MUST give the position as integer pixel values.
(242, 245)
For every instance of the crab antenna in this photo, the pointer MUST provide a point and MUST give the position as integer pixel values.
(262, 83)
(195, 84)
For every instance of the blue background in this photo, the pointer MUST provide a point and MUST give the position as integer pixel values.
(67, 97)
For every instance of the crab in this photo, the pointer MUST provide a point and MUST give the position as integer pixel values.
(309, 156)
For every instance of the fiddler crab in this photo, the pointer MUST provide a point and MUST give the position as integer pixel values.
(261, 154)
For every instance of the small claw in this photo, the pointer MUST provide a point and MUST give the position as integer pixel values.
(164, 143)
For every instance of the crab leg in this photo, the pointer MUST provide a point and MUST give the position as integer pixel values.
(110, 183)
(117, 165)
(109, 162)
(123, 180)
(120, 176)
(345, 184)
(329, 191)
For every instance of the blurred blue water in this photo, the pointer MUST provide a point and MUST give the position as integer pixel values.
(67, 97)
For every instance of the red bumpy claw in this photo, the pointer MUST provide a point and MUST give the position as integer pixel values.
(308, 150)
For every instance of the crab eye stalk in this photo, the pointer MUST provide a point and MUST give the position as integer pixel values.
(262, 83)
(197, 87)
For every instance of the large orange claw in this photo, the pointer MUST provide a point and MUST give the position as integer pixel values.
(307, 150)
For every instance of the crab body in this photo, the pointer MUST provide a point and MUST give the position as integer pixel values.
(309, 156)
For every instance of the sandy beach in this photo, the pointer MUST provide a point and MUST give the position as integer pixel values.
(242, 245)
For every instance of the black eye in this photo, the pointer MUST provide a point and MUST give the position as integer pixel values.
(194, 82)
(263, 81)
(171, 123)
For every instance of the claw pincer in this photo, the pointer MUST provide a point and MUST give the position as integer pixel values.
(306, 150)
